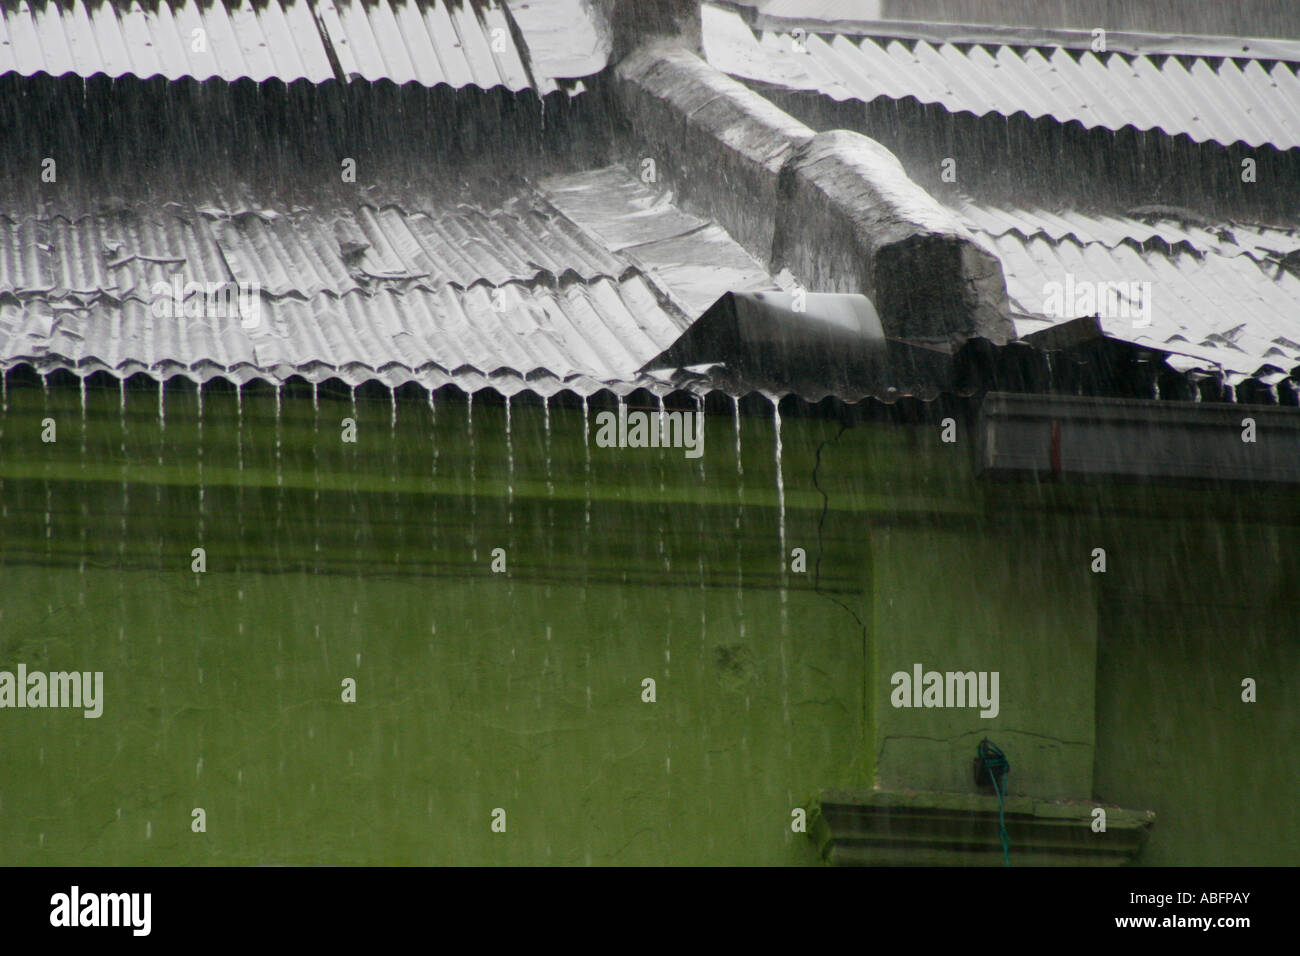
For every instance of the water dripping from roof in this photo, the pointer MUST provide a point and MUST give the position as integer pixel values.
(49, 493)
(780, 480)
(586, 449)
(85, 507)
(433, 421)
(162, 417)
(315, 473)
(121, 542)
(279, 471)
(662, 418)
(200, 459)
(546, 428)
(392, 419)
(510, 469)
(662, 507)
(740, 464)
(239, 420)
(473, 479)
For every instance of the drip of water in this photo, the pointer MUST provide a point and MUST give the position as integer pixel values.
(121, 543)
(49, 493)
(740, 464)
(393, 465)
(315, 469)
(780, 481)
(433, 474)
(200, 459)
(162, 444)
(586, 448)
(663, 511)
(85, 506)
(473, 478)
(784, 557)
(239, 418)
(546, 426)
(279, 471)
(661, 470)
(4, 389)
(510, 469)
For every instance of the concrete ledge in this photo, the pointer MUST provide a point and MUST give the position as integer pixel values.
(852, 220)
(896, 828)
(721, 145)
(836, 208)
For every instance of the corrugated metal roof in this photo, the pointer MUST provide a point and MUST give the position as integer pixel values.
(123, 254)
(579, 335)
(575, 285)
(1230, 312)
(270, 38)
(1261, 243)
(1221, 100)
(456, 42)
(426, 41)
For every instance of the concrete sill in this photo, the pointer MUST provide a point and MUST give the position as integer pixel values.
(886, 828)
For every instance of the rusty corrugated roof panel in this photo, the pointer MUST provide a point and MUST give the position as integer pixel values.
(1223, 100)
(455, 42)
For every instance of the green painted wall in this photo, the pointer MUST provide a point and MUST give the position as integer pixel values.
(523, 690)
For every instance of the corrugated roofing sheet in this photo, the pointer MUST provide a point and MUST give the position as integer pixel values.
(580, 335)
(1261, 243)
(276, 38)
(521, 296)
(456, 42)
(1227, 101)
(1219, 310)
(121, 255)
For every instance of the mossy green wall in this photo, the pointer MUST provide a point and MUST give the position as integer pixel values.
(476, 690)
(953, 601)
(223, 692)
(523, 690)
(1194, 610)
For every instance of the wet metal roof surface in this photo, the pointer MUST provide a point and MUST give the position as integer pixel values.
(1225, 298)
(431, 42)
(1208, 99)
(575, 283)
